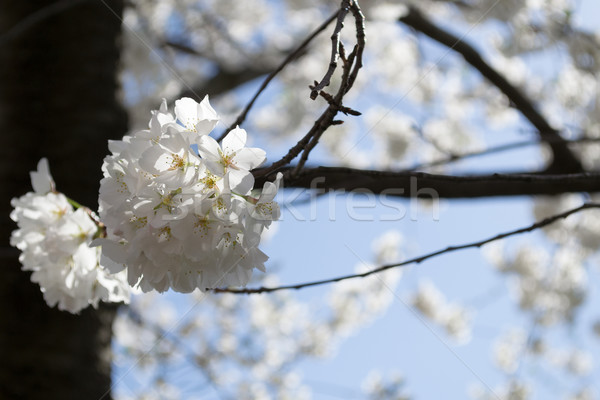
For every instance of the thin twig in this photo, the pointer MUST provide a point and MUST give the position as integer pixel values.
(335, 50)
(240, 119)
(335, 105)
(351, 65)
(564, 160)
(327, 119)
(416, 260)
(359, 20)
(184, 48)
(491, 150)
(319, 125)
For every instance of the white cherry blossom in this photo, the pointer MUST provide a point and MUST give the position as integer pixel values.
(200, 118)
(54, 240)
(232, 158)
(180, 219)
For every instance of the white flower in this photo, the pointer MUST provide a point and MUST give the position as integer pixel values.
(180, 219)
(54, 240)
(386, 247)
(171, 161)
(195, 117)
(509, 350)
(41, 180)
(233, 158)
(454, 318)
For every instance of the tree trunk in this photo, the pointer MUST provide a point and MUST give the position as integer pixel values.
(58, 64)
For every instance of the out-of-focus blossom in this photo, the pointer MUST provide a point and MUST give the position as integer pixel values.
(54, 239)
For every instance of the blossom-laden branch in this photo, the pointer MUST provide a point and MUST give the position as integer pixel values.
(176, 210)
(564, 160)
(421, 184)
(416, 260)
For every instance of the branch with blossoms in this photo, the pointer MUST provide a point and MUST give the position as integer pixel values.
(564, 160)
(177, 209)
(416, 260)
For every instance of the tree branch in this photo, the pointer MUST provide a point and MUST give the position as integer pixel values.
(491, 150)
(564, 160)
(351, 65)
(424, 185)
(416, 260)
(293, 55)
(222, 82)
(335, 50)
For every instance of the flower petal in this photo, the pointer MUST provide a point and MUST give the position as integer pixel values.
(41, 180)
(209, 149)
(186, 111)
(249, 158)
(234, 141)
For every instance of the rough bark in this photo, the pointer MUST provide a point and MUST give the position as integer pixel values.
(57, 99)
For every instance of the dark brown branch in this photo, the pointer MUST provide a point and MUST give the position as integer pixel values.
(335, 50)
(320, 125)
(183, 48)
(222, 82)
(314, 140)
(416, 260)
(335, 105)
(359, 23)
(293, 55)
(420, 184)
(564, 160)
(351, 65)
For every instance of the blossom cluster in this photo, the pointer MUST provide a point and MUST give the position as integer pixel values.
(178, 206)
(454, 318)
(54, 239)
(550, 287)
